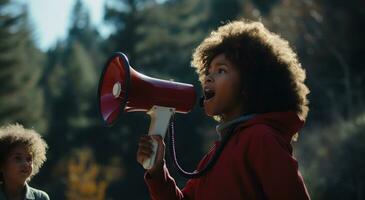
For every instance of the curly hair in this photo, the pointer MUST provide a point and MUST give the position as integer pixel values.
(14, 135)
(272, 78)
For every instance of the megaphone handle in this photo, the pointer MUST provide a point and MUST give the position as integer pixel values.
(160, 118)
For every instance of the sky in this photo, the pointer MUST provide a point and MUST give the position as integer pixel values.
(50, 19)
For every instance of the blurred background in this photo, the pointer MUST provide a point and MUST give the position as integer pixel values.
(52, 53)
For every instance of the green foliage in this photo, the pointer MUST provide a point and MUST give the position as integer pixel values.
(80, 84)
(332, 157)
(124, 16)
(70, 83)
(222, 11)
(264, 6)
(168, 36)
(20, 70)
(70, 79)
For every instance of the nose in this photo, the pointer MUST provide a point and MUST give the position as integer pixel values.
(209, 78)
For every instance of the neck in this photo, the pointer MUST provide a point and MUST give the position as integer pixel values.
(14, 191)
(235, 113)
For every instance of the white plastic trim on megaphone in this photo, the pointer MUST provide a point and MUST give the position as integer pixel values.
(160, 118)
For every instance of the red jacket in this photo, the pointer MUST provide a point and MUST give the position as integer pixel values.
(256, 163)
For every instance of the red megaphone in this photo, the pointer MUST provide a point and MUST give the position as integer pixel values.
(121, 88)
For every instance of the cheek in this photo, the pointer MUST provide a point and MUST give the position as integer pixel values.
(11, 167)
(9, 170)
(229, 88)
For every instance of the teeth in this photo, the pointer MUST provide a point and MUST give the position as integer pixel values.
(208, 93)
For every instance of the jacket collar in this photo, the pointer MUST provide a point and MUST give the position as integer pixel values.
(29, 195)
(287, 123)
(223, 127)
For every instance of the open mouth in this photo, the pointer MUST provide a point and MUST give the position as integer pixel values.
(208, 94)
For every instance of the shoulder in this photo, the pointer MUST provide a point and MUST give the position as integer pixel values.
(256, 132)
(244, 137)
(262, 135)
(38, 194)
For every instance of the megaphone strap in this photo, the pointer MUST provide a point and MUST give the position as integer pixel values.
(211, 162)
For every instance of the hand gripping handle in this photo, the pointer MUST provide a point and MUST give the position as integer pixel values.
(160, 117)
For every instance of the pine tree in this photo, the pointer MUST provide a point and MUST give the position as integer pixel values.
(222, 11)
(21, 98)
(71, 79)
(83, 32)
(70, 83)
(125, 21)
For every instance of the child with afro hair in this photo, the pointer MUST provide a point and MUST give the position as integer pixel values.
(254, 86)
(22, 153)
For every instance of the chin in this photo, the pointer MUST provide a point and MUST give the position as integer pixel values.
(211, 112)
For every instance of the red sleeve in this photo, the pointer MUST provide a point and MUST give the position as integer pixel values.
(273, 164)
(163, 187)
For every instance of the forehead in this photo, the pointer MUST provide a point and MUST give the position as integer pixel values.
(219, 60)
(20, 149)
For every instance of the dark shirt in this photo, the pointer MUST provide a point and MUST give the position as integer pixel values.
(30, 194)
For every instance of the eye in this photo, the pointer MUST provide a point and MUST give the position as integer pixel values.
(18, 158)
(222, 71)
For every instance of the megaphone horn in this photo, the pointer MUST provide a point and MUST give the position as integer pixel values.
(123, 89)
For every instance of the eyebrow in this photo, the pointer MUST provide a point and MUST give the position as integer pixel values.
(20, 154)
(220, 63)
(215, 65)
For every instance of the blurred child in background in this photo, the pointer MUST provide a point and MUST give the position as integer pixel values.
(22, 153)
